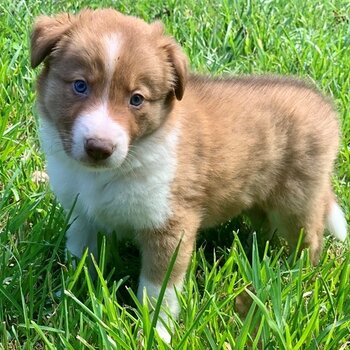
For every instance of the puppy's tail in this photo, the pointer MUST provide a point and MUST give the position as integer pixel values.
(335, 221)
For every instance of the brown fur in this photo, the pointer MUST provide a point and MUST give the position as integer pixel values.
(263, 144)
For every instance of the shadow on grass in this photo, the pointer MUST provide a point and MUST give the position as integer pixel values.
(124, 258)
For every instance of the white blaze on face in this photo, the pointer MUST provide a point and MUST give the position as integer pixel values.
(112, 45)
(97, 124)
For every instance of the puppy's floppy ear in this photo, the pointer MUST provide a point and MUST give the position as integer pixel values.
(176, 58)
(180, 64)
(47, 31)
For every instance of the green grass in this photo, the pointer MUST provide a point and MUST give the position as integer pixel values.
(296, 306)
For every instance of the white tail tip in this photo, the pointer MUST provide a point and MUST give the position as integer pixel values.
(336, 223)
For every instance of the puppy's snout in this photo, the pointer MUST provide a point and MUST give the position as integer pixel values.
(99, 149)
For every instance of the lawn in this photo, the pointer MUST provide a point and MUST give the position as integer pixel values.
(46, 304)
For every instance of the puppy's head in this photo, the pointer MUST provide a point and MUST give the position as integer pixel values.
(108, 80)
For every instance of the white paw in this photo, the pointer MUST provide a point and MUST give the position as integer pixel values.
(163, 333)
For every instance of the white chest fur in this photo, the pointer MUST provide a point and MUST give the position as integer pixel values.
(135, 196)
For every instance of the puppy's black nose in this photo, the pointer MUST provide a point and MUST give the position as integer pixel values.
(99, 149)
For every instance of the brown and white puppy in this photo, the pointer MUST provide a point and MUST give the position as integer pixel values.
(154, 153)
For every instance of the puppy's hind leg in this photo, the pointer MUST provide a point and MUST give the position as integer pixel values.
(313, 234)
(309, 215)
(291, 225)
(323, 212)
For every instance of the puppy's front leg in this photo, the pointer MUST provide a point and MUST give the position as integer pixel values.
(81, 234)
(157, 248)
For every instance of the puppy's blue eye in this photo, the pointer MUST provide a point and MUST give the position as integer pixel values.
(80, 87)
(136, 100)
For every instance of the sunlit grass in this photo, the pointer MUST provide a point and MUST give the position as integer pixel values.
(296, 306)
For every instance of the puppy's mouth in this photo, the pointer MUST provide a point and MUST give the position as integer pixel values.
(97, 165)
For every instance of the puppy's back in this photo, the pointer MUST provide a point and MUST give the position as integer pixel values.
(261, 137)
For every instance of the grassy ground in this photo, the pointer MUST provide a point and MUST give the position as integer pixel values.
(296, 306)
